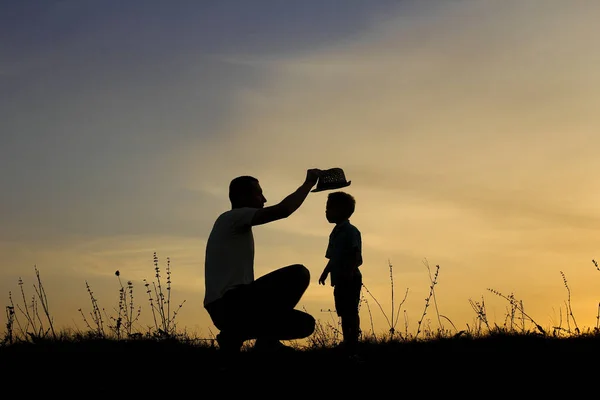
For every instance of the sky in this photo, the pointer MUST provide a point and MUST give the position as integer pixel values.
(467, 127)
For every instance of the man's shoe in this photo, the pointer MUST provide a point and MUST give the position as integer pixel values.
(271, 346)
(229, 343)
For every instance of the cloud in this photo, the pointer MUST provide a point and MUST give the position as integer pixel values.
(466, 128)
(455, 107)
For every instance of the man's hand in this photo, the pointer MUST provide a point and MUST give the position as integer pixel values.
(323, 277)
(312, 175)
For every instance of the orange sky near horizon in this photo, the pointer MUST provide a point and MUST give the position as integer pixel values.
(468, 130)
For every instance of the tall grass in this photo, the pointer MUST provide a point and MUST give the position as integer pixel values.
(30, 320)
(36, 322)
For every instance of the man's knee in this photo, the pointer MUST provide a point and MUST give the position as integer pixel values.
(300, 272)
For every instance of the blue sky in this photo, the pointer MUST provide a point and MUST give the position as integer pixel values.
(99, 88)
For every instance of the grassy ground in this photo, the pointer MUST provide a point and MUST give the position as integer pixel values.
(492, 364)
(112, 356)
(502, 349)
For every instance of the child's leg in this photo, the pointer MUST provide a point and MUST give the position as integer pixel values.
(346, 328)
(347, 299)
(350, 327)
(340, 297)
(350, 332)
(353, 310)
(353, 327)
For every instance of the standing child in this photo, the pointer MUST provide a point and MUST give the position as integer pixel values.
(344, 252)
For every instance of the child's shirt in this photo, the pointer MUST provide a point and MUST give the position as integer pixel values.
(344, 242)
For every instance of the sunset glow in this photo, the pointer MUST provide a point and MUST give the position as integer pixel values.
(468, 128)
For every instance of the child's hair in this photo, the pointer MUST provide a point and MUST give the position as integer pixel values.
(342, 201)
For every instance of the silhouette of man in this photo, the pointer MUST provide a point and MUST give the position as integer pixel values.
(241, 307)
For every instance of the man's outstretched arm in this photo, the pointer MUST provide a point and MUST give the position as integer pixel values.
(291, 203)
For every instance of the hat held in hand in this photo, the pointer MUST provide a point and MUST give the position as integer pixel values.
(331, 179)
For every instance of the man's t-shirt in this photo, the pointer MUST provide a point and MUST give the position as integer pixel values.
(345, 239)
(229, 259)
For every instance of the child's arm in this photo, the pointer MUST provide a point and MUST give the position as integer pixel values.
(325, 273)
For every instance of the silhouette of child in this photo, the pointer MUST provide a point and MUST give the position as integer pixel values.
(344, 252)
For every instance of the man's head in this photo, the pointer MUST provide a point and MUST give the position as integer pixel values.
(245, 191)
(340, 207)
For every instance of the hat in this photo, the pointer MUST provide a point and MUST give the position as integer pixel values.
(330, 179)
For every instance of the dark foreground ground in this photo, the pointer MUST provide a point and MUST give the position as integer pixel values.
(473, 368)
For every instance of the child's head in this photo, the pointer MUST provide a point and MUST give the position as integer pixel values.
(340, 207)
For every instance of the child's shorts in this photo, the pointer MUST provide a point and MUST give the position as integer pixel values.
(346, 295)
